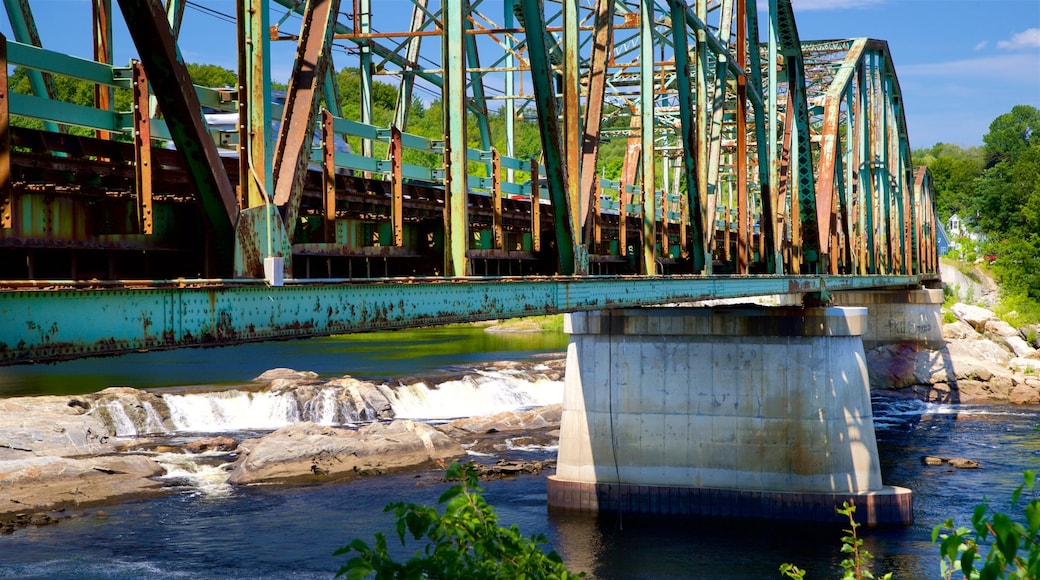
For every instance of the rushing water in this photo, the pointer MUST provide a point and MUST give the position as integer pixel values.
(206, 529)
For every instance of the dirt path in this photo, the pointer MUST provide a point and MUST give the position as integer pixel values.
(976, 287)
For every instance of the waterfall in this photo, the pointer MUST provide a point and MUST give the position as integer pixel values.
(485, 393)
(480, 393)
(231, 411)
(121, 422)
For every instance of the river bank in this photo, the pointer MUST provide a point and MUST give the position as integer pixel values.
(78, 451)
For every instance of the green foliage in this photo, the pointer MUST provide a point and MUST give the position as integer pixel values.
(463, 542)
(948, 317)
(1000, 546)
(856, 565)
(211, 75)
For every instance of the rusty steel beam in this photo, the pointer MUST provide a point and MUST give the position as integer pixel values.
(496, 200)
(828, 173)
(396, 154)
(596, 80)
(536, 209)
(142, 150)
(103, 95)
(6, 193)
(743, 217)
(328, 150)
(292, 151)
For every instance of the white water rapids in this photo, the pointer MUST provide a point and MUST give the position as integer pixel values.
(484, 392)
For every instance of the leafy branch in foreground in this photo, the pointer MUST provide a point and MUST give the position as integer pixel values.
(1003, 547)
(463, 542)
(855, 566)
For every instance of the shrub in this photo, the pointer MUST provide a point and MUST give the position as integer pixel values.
(856, 565)
(463, 542)
(1003, 547)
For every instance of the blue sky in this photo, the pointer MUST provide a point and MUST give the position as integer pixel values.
(961, 63)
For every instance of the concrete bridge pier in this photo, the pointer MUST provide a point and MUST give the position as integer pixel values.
(898, 316)
(755, 412)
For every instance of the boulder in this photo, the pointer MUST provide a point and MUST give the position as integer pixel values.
(47, 483)
(959, 330)
(1020, 347)
(997, 327)
(211, 444)
(963, 463)
(539, 418)
(981, 350)
(973, 315)
(1026, 365)
(1024, 395)
(284, 373)
(307, 451)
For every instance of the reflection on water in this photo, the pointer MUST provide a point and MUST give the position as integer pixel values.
(370, 355)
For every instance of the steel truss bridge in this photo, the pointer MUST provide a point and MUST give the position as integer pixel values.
(139, 221)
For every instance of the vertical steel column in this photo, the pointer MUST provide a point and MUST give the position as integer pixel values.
(646, 132)
(142, 150)
(718, 108)
(496, 200)
(767, 188)
(743, 235)
(456, 221)
(363, 25)
(254, 102)
(699, 253)
(510, 88)
(536, 209)
(6, 192)
(103, 95)
(597, 83)
(572, 136)
(396, 155)
(705, 188)
(772, 66)
(549, 130)
(328, 149)
(866, 164)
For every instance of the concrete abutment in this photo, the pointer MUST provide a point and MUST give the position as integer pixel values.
(758, 412)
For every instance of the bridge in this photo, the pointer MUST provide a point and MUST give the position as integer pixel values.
(159, 213)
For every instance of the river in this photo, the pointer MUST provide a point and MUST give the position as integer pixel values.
(204, 529)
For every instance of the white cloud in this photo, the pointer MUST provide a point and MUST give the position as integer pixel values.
(1008, 67)
(981, 45)
(1029, 38)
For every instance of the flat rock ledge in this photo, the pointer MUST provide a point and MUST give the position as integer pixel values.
(308, 451)
(36, 484)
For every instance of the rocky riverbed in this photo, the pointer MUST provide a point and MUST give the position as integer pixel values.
(72, 452)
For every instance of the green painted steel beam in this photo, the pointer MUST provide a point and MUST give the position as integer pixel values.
(456, 220)
(549, 129)
(45, 325)
(24, 27)
(684, 72)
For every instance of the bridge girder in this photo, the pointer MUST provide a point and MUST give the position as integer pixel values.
(756, 161)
